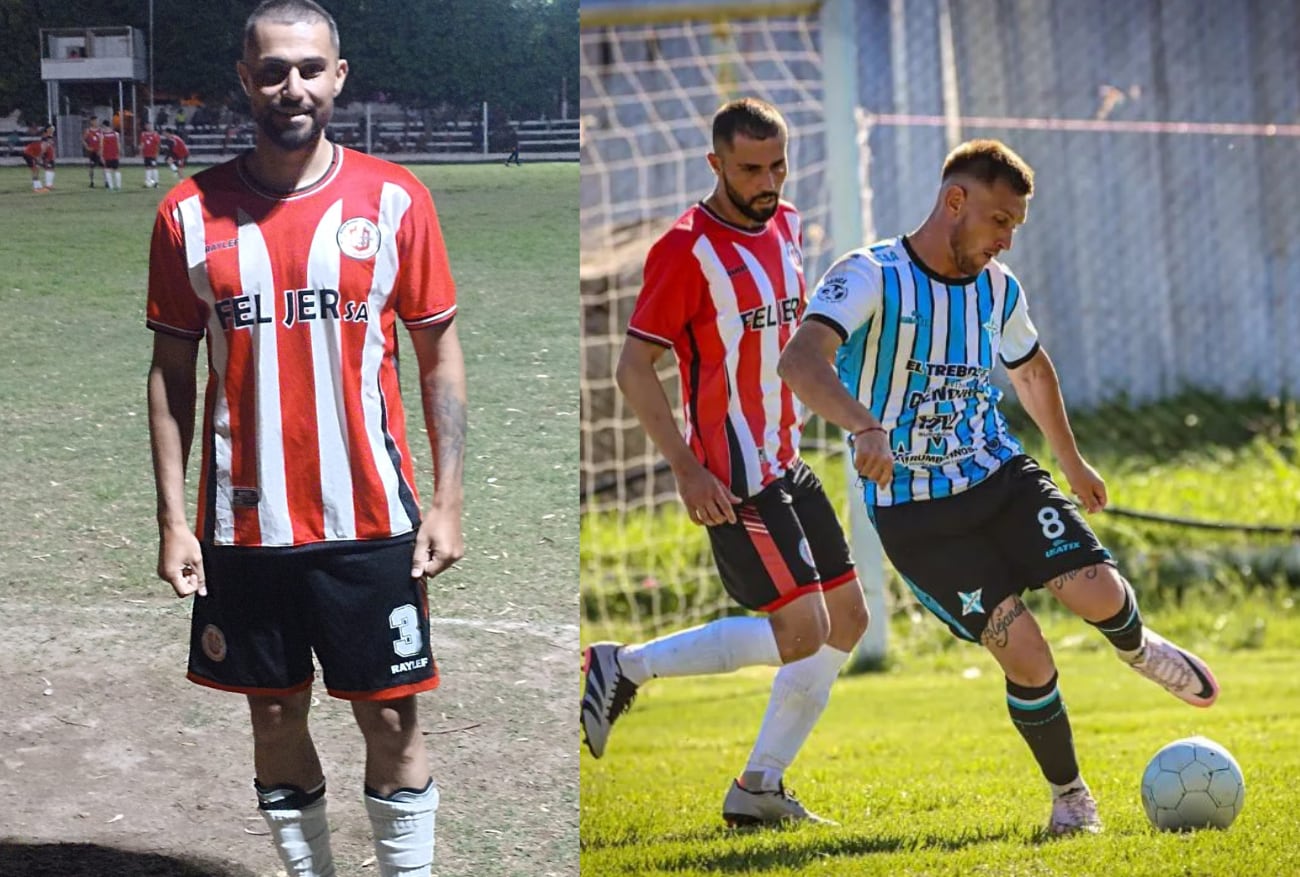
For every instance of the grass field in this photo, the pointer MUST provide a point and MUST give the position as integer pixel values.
(926, 775)
(81, 609)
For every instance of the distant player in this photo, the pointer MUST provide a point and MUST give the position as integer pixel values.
(178, 152)
(149, 145)
(110, 149)
(90, 142)
(724, 289)
(915, 325)
(296, 261)
(39, 158)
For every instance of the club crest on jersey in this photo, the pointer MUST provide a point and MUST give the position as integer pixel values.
(214, 643)
(792, 253)
(833, 289)
(358, 238)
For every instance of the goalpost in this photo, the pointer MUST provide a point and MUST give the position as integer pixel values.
(652, 74)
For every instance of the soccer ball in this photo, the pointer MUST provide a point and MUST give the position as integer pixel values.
(1192, 783)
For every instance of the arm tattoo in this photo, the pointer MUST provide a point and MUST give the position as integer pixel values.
(997, 632)
(445, 410)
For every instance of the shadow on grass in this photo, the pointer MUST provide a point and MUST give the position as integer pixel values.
(806, 848)
(37, 859)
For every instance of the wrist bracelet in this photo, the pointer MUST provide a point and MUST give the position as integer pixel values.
(859, 432)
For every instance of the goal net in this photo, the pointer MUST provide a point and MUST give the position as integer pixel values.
(649, 89)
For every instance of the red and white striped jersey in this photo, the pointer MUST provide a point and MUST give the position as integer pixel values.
(726, 300)
(304, 434)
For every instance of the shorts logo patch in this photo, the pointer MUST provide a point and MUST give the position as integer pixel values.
(805, 552)
(214, 643)
(358, 238)
(972, 602)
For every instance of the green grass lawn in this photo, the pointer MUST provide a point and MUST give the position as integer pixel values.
(922, 769)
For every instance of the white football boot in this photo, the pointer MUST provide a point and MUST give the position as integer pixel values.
(1074, 812)
(608, 695)
(743, 808)
(1176, 670)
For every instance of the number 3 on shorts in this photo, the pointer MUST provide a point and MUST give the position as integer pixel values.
(1049, 518)
(406, 621)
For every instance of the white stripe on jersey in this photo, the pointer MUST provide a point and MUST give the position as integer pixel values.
(189, 217)
(769, 382)
(256, 279)
(331, 413)
(393, 204)
(730, 330)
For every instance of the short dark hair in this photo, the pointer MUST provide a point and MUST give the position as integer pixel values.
(749, 116)
(290, 12)
(989, 161)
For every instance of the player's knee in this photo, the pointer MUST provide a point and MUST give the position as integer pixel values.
(389, 724)
(849, 615)
(801, 636)
(278, 718)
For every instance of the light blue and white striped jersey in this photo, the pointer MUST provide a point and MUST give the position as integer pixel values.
(918, 351)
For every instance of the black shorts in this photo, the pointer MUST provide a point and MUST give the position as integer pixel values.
(150, 161)
(95, 160)
(111, 163)
(963, 555)
(31, 162)
(786, 542)
(355, 605)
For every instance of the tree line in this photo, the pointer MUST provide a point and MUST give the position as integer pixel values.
(520, 56)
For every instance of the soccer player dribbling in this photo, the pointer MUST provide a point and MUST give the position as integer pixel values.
(915, 325)
(296, 261)
(723, 289)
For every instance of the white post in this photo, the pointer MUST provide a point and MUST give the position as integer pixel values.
(564, 98)
(485, 123)
(852, 227)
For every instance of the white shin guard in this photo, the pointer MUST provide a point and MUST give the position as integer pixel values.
(403, 827)
(301, 835)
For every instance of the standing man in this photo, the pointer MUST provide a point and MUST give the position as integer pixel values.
(110, 150)
(90, 142)
(724, 289)
(914, 326)
(149, 143)
(296, 260)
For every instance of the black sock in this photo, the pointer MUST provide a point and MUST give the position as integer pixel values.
(1124, 628)
(1039, 715)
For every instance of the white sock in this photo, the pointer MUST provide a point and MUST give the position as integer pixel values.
(403, 827)
(1073, 785)
(117, 179)
(800, 693)
(36, 185)
(49, 179)
(300, 832)
(717, 647)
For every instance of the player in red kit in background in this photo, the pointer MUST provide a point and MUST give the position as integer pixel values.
(296, 261)
(90, 141)
(110, 150)
(149, 143)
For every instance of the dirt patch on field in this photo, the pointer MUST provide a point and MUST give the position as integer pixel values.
(111, 763)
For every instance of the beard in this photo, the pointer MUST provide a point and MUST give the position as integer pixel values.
(750, 209)
(294, 136)
(968, 263)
